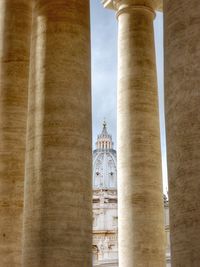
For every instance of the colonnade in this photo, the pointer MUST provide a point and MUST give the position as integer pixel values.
(45, 133)
(57, 184)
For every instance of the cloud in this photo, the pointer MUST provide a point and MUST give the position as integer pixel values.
(104, 68)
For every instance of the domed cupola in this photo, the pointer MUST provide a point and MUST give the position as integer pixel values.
(104, 162)
(104, 140)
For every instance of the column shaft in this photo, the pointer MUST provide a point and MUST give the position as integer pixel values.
(58, 184)
(15, 20)
(182, 98)
(141, 224)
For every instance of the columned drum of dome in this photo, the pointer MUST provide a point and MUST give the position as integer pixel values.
(58, 184)
(182, 109)
(140, 209)
(15, 23)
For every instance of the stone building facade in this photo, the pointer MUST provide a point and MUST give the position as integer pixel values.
(105, 215)
(105, 218)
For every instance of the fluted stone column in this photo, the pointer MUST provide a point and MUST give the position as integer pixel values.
(58, 184)
(182, 98)
(141, 224)
(15, 20)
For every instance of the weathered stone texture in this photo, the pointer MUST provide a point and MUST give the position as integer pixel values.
(58, 184)
(141, 224)
(182, 98)
(15, 20)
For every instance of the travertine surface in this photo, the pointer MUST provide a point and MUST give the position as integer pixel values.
(58, 184)
(182, 98)
(15, 19)
(141, 218)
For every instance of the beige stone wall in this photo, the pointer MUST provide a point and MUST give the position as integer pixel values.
(58, 184)
(15, 20)
(182, 98)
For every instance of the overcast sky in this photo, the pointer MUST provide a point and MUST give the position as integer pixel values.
(104, 72)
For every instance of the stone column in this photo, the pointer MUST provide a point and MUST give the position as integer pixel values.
(182, 98)
(58, 184)
(141, 214)
(15, 20)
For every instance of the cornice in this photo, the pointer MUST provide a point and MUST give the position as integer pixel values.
(156, 5)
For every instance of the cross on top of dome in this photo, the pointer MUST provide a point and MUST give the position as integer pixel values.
(104, 132)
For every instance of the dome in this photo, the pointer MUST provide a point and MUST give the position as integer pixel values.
(104, 162)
